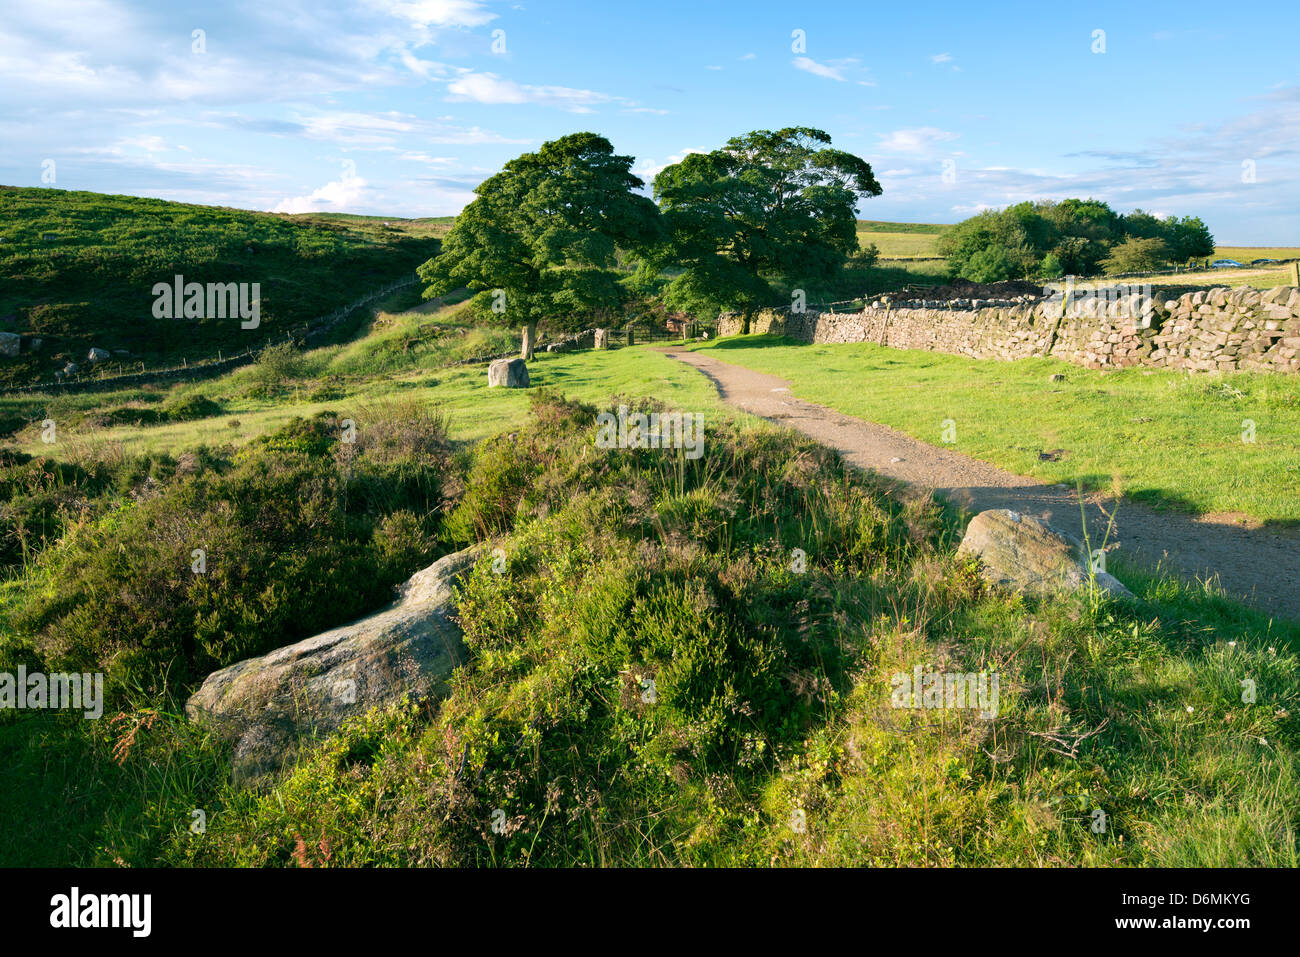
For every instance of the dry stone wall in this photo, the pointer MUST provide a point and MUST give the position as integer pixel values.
(1205, 330)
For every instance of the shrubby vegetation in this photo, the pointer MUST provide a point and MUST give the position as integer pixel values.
(90, 282)
(772, 688)
(1075, 237)
(299, 532)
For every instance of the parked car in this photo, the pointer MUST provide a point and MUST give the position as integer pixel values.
(1263, 262)
(1226, 264)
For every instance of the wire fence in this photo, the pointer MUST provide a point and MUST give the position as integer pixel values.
(302, 334)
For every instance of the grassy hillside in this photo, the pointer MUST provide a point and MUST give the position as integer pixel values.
(78, 269)
(901, 240)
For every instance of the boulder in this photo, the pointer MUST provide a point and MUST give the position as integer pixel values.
(71, 368)
(565, 346)
(97, 355)
(511, 373)
(10, 344)
(267, 705)
(1025, 554)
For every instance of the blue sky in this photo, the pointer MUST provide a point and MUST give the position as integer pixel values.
(401, 107)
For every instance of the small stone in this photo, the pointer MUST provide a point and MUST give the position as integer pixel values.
(510, 373)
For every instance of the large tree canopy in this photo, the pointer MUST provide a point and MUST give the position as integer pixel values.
(540, 240)
(1074, 236)
(764, 206)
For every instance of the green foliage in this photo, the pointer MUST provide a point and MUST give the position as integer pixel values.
(652, 682)
(1080, 236)
(297, 535)
(1136, 255)
(546, 232)
(92, 284)
(191, 407)
(277, 365)
(764, 206)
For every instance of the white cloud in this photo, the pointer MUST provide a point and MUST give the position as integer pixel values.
(921, 139)
(426, 158)
(437, 13)
(357, 128)
(810, 65)
(941, 58)
(648, 169)
(492, 89)
(332, 197)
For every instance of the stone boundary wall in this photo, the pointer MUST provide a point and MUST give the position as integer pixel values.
(1219, 329)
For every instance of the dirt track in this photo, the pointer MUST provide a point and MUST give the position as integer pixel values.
(1260, 566)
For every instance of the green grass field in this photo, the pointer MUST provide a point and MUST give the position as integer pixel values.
(1170, 440)
(901, 240)
(348, 378)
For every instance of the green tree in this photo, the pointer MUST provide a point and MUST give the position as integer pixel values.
(1136, 255)
(1187, 238)
(542, 238)
(766, 206)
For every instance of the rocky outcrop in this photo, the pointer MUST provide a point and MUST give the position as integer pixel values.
(1022, 553)
(510, 373)
(98, 355)
(267, 705)
(10, 344)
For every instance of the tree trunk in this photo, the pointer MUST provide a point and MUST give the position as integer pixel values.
(530, 338)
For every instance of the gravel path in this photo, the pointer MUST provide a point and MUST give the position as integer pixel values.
(1258, 565)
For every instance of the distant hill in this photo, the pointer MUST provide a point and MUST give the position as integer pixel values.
(901, 240)
(78, 269)
(876, 226)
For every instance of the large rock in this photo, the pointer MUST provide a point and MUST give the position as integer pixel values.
(1023, 553)
(267, 705)
(10, 344)
(511, 373)
(600, 339)
(98, 355)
